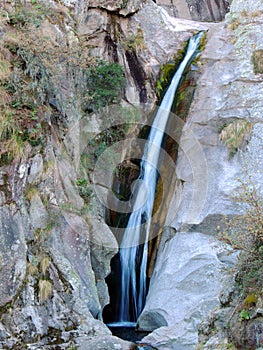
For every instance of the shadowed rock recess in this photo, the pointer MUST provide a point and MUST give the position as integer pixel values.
(73, 75)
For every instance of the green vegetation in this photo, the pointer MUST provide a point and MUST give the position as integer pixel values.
(102, 142)
(32, 70)
(105, 83)
(244, 315)
(128, 118)
(203, 42)
(85, 191)
(167, 70)
(166, 73)
(235, 134)
(251, 300)
(235, 22)
(124, 4)
(25, 15)
(20, 112)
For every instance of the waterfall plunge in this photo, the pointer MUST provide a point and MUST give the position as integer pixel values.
(133, 286)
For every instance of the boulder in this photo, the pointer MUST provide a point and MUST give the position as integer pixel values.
(184, 288)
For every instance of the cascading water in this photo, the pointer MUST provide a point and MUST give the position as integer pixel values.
(134, 245)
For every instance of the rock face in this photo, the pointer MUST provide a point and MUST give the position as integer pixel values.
(205, 10)
(54, 251)
(229, 89)
(185, 285)
(12, 253)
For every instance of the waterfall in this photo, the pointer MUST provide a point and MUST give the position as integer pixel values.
(134, 245)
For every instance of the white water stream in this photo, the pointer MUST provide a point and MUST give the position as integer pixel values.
(133, 278)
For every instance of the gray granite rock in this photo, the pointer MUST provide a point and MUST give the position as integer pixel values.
(184, 288)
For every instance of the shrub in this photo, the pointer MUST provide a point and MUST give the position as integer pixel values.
(44, 264)
(235, 134)
(45, 290)
(244, 315)
(105, 82)
(27, 15)
(85, 191)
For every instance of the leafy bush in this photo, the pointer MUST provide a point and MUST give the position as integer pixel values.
(105, 82)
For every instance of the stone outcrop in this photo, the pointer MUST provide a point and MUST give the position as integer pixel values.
(204, 10)
(185, 286)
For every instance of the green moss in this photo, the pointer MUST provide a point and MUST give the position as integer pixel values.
(84, 189)
(203, 42)
(251, 300)
(134, 41)
(166, 73)
(167, 70)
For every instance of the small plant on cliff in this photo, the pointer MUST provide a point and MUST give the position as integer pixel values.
(44, 264)
(244, 315)
(84, 189)
(45, 290)
(28, 14)
(235, 134)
